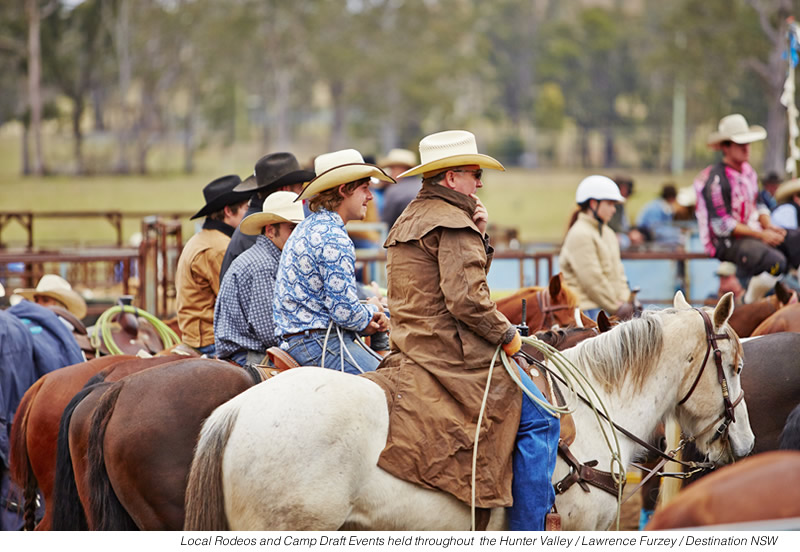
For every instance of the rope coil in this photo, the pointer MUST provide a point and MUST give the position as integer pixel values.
(102, 333)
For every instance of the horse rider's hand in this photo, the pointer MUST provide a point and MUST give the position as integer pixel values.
(779, 229)
(772, 237)
(481, 216)
(625, 311)
(379, 323)
(512, 347)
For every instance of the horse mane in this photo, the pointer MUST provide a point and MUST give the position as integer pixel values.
(627, 350)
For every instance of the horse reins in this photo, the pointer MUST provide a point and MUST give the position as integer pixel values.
(547, 308)
(578, 471)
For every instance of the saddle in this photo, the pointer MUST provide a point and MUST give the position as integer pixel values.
(274, 362)
(553, 396)
(131, 334)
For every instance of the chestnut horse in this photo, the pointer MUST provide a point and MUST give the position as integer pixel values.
(35, 429)
(135, 473)
(555, 305)
(764, 486)
(747, 317)
(264, 459)
(786, 319)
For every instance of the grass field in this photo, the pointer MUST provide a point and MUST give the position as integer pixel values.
(537, 202)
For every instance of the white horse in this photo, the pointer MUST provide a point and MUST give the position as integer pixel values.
(300, 451)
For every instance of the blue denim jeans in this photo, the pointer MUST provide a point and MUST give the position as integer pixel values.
(306, 349)
(209, 350)
(534, 463)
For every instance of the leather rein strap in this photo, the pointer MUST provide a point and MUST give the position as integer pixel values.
(547, 308)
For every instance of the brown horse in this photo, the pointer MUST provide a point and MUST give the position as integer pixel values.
(786, 319)
(135, 473)
(764, 486)
(35, 429)
(555, 305)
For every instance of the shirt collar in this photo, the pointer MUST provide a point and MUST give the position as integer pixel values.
(437, 191)
(211, 224)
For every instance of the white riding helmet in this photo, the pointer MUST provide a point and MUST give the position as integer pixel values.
(598, 187)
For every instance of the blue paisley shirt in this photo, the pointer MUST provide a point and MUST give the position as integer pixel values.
(316, 281)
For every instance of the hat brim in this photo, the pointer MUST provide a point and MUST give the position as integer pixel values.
(483, 161)
(786, 190)
(250, 184)
(342, 175)
(74, 302)
(754, 133)
(231, 198)
(252, 225)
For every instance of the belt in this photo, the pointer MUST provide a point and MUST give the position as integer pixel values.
(306, 333)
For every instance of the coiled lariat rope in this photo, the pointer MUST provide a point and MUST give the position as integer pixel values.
(102, 331)
(570, 375)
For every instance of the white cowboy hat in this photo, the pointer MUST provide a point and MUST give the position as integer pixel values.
(687, 197)
(450, 148)
(399, 157)
(735, 128)
(278, 207)
(786, 190)
(53, 285)
(340, 167)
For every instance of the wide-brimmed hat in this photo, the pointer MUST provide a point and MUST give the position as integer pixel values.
(786, 190)
(278, 207)
(53, 285)
(450, 148)
(219, 194)
(399, 157)
(735, 128)
(273, 171)
(725, 268)
(340, 167)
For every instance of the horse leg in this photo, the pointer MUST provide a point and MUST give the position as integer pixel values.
(105, 510)
(20, 469)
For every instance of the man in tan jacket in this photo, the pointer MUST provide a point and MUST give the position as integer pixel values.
(445, 330)
(197, 275)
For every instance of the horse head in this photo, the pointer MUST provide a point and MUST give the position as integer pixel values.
(559, 306)
(711, 406)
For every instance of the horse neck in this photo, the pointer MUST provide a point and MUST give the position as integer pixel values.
(637, 409)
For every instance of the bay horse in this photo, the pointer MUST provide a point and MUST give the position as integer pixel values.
(133, 475)
(34, 433)
(764, 486)
(553, 306)
(786, 319)
(747, 317)
(300, 451)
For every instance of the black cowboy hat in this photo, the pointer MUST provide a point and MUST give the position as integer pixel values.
(219, 194)
(273, 171)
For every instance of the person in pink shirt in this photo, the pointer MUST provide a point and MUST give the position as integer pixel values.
(734, 224)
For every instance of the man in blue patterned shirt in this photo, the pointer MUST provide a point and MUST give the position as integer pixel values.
(244, 326)
(316, 307)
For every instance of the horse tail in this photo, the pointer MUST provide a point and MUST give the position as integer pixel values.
(205, 497)
(19, 464)
(105, 509)
(68, 513)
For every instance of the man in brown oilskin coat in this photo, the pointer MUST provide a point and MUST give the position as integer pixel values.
(445, 331)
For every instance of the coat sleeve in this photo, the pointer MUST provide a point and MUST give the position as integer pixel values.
(462, 272)
(589, 272)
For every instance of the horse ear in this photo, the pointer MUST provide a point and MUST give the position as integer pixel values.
(723, 310)
(603, 323)
(555, 285)
(783, 294)
(680, 301)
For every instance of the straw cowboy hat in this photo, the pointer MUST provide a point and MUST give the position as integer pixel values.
(340, 167)
(399, 157)
(786, 190)
(278, 207)
(53, 285)
(725, 268)
(219, 194)
(735, 128)
(450, 148)
(273, 171)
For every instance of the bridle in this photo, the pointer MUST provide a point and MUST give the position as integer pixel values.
(547, 308)
(584, 474)
(711, 344)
